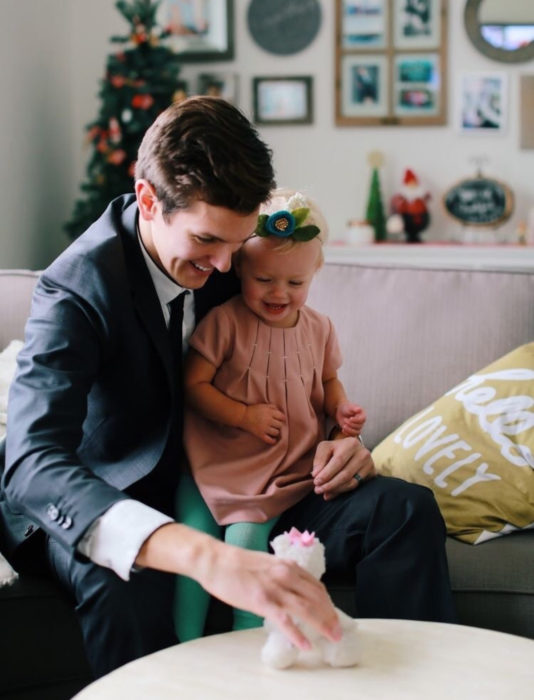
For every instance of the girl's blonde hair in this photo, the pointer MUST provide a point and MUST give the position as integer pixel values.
(285, 199)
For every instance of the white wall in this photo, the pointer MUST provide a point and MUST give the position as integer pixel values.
(35, 139)
(58, 56)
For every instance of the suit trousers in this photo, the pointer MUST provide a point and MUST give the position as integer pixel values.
(120, 620)
(387, 538)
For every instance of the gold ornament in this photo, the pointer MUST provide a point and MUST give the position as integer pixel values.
(375, 159)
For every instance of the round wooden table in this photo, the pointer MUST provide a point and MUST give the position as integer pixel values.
(400, 659)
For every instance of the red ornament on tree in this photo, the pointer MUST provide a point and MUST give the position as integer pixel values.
(410, 204)
(117, 81)
(142, 101)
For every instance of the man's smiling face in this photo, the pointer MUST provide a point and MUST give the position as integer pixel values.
(190, 243)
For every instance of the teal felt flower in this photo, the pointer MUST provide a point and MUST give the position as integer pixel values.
(287, 224)
(281, 223)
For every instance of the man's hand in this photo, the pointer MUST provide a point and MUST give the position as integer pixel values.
(350, 418)
(264, 420)
(267, 586)
(341, 465)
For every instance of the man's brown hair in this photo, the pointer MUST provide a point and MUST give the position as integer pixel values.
(204, 148)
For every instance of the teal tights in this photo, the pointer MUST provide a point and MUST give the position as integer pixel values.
(191, 600)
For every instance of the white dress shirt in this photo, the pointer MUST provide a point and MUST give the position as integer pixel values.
(116, 537)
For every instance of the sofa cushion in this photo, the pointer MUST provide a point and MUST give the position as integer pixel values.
(16, 288)
(493, 586)
(474, 447)
(8, 364)
(408, 335)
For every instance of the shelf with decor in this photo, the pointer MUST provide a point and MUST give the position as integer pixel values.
(438, 255)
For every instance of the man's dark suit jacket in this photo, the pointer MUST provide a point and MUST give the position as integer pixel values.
(91, 406)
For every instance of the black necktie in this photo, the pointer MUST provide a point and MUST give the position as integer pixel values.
(175, 335)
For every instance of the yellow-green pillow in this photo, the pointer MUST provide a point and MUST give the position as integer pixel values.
(474, 447)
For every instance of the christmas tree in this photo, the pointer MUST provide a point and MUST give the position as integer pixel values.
(375, 209)
(139, 83)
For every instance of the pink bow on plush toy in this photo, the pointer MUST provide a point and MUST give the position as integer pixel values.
(305, 539)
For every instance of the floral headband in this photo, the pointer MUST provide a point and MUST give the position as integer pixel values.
(288, 222)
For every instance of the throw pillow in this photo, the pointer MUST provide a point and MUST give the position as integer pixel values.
(8, 364)
(474, 447)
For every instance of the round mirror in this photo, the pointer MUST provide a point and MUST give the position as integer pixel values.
(503, 31)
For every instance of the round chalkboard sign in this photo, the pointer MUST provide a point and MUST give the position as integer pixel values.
(284, 26)
(479, 201)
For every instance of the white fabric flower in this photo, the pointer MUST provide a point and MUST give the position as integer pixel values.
(297, 201)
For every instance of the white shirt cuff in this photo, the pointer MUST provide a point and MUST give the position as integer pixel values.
(115, 538)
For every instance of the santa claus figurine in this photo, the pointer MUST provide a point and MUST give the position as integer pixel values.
(409, 205)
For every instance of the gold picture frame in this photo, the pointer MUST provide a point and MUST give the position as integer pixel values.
(391, 62)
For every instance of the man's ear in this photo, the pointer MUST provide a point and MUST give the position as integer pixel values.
(146, 199)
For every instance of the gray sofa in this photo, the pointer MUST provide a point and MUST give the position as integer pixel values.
(407, 336)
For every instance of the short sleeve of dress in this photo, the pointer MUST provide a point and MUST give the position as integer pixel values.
(214, 336)
(332, 356)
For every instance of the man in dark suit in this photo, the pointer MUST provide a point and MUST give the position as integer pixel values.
(94, 419)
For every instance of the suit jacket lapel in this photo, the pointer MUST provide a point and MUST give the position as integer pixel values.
(218, 288)
(144, 295)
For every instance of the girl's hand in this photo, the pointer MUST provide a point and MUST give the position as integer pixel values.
(351, 418)
(264, 420)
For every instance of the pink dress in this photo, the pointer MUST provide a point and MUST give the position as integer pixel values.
(241, 478)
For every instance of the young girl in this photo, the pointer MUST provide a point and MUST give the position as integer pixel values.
(261, 379)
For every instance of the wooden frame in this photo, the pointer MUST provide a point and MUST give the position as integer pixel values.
(204, 34)
(479, 201)
(527, 110)
(400, 55)
(283, 100)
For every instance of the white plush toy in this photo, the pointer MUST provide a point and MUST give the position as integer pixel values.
(278, 651)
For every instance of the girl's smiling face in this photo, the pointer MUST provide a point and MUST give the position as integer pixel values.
(274, 282)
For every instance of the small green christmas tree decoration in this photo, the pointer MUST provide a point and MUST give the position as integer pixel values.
(139, 83)
(375, 209)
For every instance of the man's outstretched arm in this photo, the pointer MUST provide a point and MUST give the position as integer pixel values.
(272, 588)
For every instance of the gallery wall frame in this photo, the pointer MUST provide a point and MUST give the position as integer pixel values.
(201, 31)
(283, 99)
(391, 58)
(526, 129)
(482, 102)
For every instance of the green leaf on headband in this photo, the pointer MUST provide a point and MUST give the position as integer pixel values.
(300, 215)
(305, 233)
(260, 226)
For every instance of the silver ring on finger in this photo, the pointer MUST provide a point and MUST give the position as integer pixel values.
(359, 478)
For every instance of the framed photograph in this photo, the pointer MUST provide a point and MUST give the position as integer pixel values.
(283, 100)
(391, 62)
(200, 30)
(417, 24)
(218, 85)
(364, 24)
(482, 102)
(364, 79)
(417, 84)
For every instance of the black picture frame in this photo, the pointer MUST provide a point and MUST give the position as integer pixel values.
(283, 100)
(199, 39)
